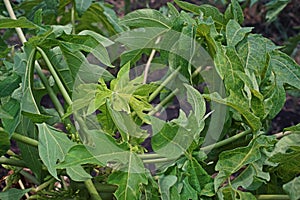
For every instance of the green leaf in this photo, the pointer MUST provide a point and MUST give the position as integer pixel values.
(22, 22)
(30, 154)
(88, 44)
(9, 84)
(53, 146)
(82, 5)
(165, 183)
(77, 173)
(229, 193)
(206, 10)
(100, 38)
(233, 160)
(187, 191)
(100, 13)
(28, 103)
(295, 128)
(274, 8)
(129, 180)
(197, 102)
(137, 42)
(286, 156)
(4, 142)
(125, 124)
(292, 188)
(13, 193)
(235, 33)
(146, 18)
(286, 69)
(4, 114)
(234, 11)
(239, 105)
(198, 178)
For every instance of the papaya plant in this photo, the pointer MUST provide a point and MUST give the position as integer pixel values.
(88, 101)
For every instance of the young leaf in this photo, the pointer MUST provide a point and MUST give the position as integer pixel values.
(292, 188)
(146, 18)
(53, 146)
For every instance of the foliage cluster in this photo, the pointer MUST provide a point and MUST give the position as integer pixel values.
(91, 143)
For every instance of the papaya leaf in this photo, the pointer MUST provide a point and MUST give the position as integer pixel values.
(22, 22)
(146, 18)
(53, 146)
(13, 193)
(82, 5)
(292, 188)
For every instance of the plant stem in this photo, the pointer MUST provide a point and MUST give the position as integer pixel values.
(271, 197)
(24, 139)
(43, 185)
(29, 177)
(13, 16)
(56, 77)
(147, 67)
(73, 19)
(104, 188)
(149, 156)
(158, 160)
(50, 91)
(92, 190)
(13, 162)
(163, 84)
(163, 102)
(226, 141)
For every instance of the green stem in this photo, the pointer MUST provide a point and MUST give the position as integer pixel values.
(149, 156)
(13, 16)
(44, 185)
(13, 162)
(73, 19)
(56, 77)
(164, 102)
(50, 91)
(271, 197)
(104, 188)
(29, 177)
(92, 190)
(226, 141)
(158, 160)
(163, 84)
(24, 139)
